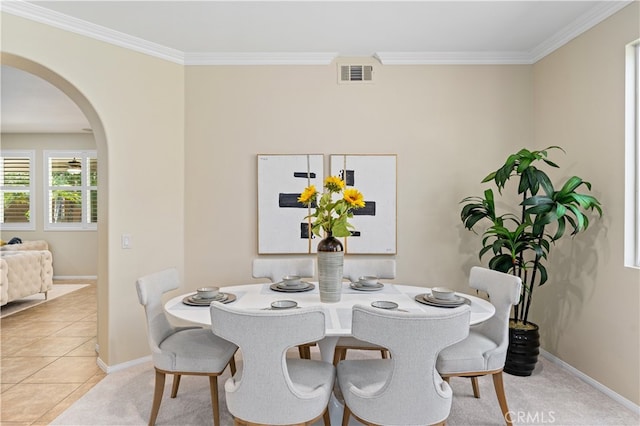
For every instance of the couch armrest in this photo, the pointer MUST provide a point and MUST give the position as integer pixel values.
(26, 245)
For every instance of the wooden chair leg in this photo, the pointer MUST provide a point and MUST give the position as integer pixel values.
(304, 351)
(474, 385)
(343, 354)
(337, 354)
(383, 353)
(502, 399)
(176, 385)
(213, 384)
(345, 415)
(232, 365)
(446, 379)
(157, 397)
(326, 417)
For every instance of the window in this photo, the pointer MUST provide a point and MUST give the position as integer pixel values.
(17, 189)
(71, 190)
(632, 156)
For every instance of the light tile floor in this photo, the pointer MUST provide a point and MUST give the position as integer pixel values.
(48, 358)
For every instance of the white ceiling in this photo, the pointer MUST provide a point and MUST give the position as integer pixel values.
(301, 32)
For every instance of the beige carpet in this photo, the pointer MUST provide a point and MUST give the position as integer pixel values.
(550, 396)
(31, 301)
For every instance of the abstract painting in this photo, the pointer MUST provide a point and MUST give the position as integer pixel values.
(375, 177)
(282, 227)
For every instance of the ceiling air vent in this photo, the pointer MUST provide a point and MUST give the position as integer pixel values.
(356, 73)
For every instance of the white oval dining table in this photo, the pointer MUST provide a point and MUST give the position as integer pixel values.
(338, 315)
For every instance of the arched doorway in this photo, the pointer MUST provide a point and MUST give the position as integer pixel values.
(101, 146)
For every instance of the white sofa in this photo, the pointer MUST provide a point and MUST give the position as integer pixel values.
(25, 269)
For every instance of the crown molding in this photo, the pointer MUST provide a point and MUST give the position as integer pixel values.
(260, 58)
(452, 58)
(583, 23)
(46, 16)
(78, 26)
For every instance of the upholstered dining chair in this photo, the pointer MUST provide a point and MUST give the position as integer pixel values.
(271, 389)
(405, 389)
(484, 351)
(180, 350)
(275, 269)
(352, 270)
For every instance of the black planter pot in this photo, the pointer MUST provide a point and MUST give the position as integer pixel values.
(522, 354)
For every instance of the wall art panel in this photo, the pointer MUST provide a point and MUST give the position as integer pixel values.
(375, 224)
(282, 227)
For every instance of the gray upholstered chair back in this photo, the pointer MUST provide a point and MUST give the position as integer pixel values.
(275, 269)
(150, 290)
(263, 391)
(413, 387)
(356, 268)
(504, 291)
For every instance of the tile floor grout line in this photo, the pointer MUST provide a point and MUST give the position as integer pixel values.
(58, 374)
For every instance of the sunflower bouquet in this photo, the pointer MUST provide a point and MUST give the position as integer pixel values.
(332, 216)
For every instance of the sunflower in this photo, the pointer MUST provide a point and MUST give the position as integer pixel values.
(333, 184)
(354, 198)
(331, 217)
(308, 195)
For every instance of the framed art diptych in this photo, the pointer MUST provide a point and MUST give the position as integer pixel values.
(375, 177)
(282, 227)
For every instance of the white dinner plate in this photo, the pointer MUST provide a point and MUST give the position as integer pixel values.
(227, 298)
(456, 300)
(427, 299)
(292, 289)
(361, 287)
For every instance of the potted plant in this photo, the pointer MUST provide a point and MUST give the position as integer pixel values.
(520, 240)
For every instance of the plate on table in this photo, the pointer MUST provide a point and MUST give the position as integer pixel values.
(304, 286)
(194, 300)
(361, 287)
(428, 299)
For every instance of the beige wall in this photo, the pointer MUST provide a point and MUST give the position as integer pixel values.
(75, 253)
(588, 313)
(445, 123)
(449, 125)
(136, 107)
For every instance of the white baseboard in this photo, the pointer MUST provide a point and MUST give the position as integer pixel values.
(113, 368)
(75, 277)
(594, 383)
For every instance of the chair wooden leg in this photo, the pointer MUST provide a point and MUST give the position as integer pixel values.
(232, 365)
(474, 385)
(176, 385)
(213, 384)
(336, 356)
(326, 417)
(446, 379)
(304, 351)
(383, 353)
(157, 397)
(502, 399)
(345, 415)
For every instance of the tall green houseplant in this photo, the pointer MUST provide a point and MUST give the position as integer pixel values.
(519, 241)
